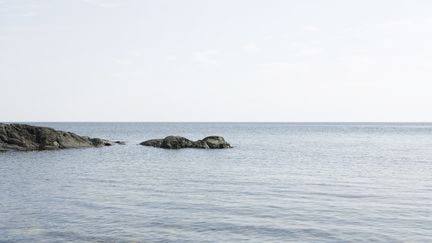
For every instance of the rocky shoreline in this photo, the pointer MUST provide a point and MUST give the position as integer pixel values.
(20, 137)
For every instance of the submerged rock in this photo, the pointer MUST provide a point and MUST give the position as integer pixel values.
(120, 142)
(20, 137)
(176, 142)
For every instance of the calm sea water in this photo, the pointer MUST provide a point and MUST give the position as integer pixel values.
(281, 182)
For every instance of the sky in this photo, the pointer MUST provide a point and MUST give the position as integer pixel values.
(216, 60)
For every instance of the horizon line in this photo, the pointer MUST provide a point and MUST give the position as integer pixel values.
(288, 122)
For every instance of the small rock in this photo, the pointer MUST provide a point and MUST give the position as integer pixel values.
(176, 142)
(152, 142)
(216, 142)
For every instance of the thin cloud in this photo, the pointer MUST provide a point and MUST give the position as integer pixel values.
(171, 58)
(206, 56)
(129, 58)
(398, 24)
(103, 3)
(250, 47)
(21, 9)
(310, 28)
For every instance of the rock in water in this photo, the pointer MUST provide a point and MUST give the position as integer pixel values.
(216, 142)
(176, 142)
(152, 142)
(20, 137)
(120, 142)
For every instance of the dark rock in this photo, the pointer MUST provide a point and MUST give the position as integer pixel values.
(120, 142)
(216, 142)
(97, 142)
(152, 142)
(20, 137)
(176, 142)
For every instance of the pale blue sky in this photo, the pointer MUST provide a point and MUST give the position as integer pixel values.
(202, 60)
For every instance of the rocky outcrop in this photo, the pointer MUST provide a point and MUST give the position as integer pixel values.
(20, 137)
(152, 142)
(176, 142)
(215, 142)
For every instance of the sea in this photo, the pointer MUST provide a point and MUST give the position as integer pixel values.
(281, 182)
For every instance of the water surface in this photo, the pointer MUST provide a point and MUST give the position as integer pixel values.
(281, 182)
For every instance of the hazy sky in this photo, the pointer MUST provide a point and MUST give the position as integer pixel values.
(219, 60)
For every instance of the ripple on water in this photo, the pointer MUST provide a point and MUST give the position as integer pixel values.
(323, 183)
